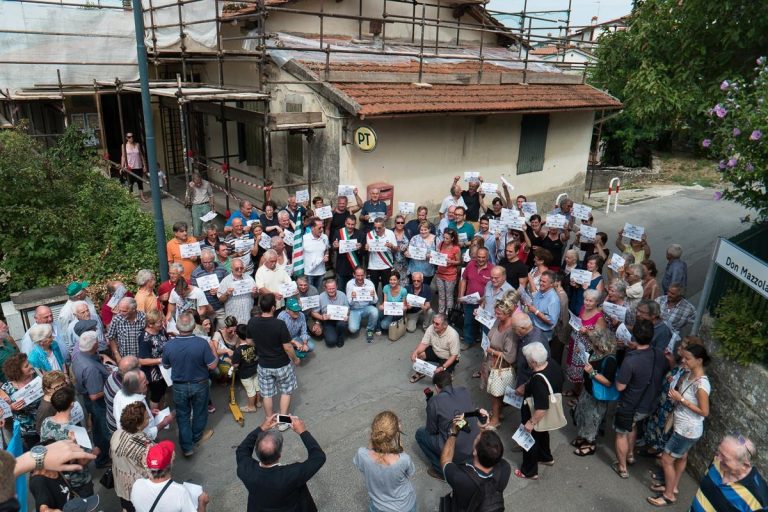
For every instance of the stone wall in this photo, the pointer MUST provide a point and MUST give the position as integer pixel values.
(739, 404)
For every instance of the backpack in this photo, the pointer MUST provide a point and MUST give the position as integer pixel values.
(487, 498)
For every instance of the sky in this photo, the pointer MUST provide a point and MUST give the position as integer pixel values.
(581, 10)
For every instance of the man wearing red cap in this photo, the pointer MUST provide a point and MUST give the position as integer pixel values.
(159, 492)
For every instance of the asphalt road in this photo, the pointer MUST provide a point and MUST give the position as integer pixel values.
(342, 389)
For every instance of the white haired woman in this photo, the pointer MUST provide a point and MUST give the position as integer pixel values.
(599, 375)
(543, 370)
(146, 300)
(45, 355)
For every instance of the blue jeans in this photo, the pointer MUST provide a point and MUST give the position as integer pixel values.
(388, 320)
(334, 332)
(98, 411)
(316, 281)
(430, 445)
(370, 312)
(469, 323)
(191, 399)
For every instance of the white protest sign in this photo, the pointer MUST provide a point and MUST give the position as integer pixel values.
(310, 302)
(485, 318)
(615, 311)
(243, 244)
(466, 257)
(623, 334)
(438, 258)
(29, 393)
(489, 188)
(581, 277)
(346, 190)
(417, 253)
(633, 232)
(288, 289)
(166, 373)
(161, 415)
(406, 208)
(557, 221)
(116, 297)
(288, 237)
(516, 223)
(250, 222)
(523, 438)
(525, 297)
(529, 208)
(324, 212)
(393, 308)
(208, 216)
(362, 294)
(580, 354)
(190, 250)
(265, 241)
(588, 233)
(208, 282)
(241, 287)
(77, 415)
(485, 344)
(288, 267)
(673, 342)
(415, 300)
(5, 409)
(302, 196)
(473, 298)
(424, 368)
(463, 238)
(507, 214)
(581, 211)
(81, 436)
(496, 226)
(347, 246)
(377, 245)
(335, 312)
(470, 176)
(617, 262)
(507, 183)
(372, 216)
(512, 398)
(574, 321)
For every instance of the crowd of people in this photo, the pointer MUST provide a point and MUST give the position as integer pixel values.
(554, 310)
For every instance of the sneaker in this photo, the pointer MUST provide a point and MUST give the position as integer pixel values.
(378, 333)
(211, 408)
(369, 336)
(189, 453)
(282, 427)
(207, 434)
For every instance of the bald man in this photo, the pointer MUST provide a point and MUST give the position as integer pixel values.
(44, 315)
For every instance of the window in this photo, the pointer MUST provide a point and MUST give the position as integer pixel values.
(533, 143)
(295, 146)
(250, 136)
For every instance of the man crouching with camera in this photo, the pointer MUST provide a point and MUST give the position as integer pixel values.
(444, 402)
(479, 485)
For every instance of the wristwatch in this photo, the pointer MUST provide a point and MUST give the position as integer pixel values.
(38, 455)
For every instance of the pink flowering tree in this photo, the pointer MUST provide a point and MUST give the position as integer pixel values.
(739, 140)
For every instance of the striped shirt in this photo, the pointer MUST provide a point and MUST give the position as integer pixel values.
(748, 494)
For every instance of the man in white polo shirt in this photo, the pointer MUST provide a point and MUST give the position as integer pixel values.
(315, 252)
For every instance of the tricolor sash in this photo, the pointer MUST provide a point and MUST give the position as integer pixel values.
(352, 257)
(385, 257)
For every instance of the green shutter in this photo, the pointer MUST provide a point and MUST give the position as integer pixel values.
(533, 143)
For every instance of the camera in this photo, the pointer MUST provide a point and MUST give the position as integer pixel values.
(428, 393)
(482, 418)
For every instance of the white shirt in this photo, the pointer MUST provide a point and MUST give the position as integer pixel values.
(367, 284)
(121, 401)
(376, 260)
(448, 202)
(195, 299)
(175, 499)
(67, 313)
(687, 423)
(314, 251)
(272, 280)
(238, 306)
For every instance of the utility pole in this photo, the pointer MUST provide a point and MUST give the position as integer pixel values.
(149, 137)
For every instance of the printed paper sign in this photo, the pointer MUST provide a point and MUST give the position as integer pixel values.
(116, 297)
(241, 287)
(580, 354)
(463, 238)
(615, 311)
(415, 300)
(81, 436)
(166, 373)
(5, 409)
(362, 294)
(302, 196)
(466, 257)
(311, 302)
(512, 398)
(507, 183)
(496, 226)
(377, 245)
(438, 258)
(489, 188)
(190, 250)
(523, 438)
(673, 341)
(417, 253)
(557, 221)
(208, 216)
(77, 415)
(633, 232)
(335, 312)
(161, 415)
(485, 344)
(623, 334)
(581, 277)
(507, 214)
(249, 222)
(470, 176)
(575, 321)
(406, 208)
(324, 212)
(393, 308)
(424, 368)
(29, 393)
(208, 282)
(485, 318)
(288, 237)
(473, 298)
(288, 289)
(243, 245)
(265, 241)
(346, 190)
(617, 263)
(530, 208)
(588, 233)
(288, 267)
(346, 246)
(525, 297)
(516, 223)
(376, 215)
(581, 211)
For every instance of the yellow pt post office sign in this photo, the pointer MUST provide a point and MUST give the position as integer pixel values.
(365, 138)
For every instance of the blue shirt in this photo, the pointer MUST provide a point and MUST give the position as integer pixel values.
(425, 292)
(221, 273)
(676, 272)
(239, 215)
(189, 356)
(549, 304)
(297, 327)
(490, 297)
(90, 374)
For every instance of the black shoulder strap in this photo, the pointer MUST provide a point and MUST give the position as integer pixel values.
(170, 481)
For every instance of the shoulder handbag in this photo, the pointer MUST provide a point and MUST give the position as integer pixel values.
(499, 378)
(152, 509)
(669, 423)
(396, 330)
(107, 480)
(554, 417)
(605, 393)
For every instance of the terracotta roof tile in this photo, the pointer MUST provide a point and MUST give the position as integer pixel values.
(400, 98)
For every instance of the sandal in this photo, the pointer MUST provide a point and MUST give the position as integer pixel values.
(660, 501)
(476, 375)
(416, 377)
(585, 449)
(622, 473)
(519, 474)
(579, 441)
(631, 461)
(660, 487)
(248, 408)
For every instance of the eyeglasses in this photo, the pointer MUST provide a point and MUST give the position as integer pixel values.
(399, 222)
(742, 441)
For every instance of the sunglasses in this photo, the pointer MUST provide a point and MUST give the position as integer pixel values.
(399, 222)
(743, 442)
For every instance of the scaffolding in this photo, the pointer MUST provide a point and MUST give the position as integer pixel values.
(185, 36)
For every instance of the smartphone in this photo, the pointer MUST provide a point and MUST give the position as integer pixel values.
(283, 418)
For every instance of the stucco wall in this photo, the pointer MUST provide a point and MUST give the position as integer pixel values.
(420, 155)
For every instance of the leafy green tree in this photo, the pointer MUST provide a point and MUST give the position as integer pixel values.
(666, 66)
(61, 217)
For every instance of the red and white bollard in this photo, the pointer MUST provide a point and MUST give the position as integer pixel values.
(616, 197)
